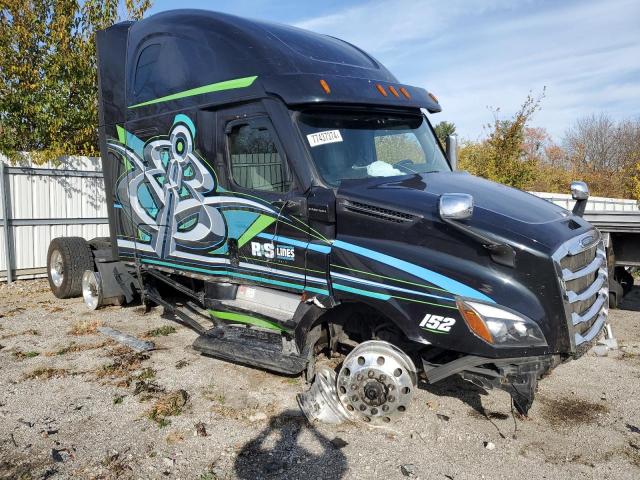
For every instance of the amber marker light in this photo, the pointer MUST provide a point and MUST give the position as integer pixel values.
(405, 92)
(393, 91)
(325, 86)
(433, 97)
(474, 322)
(381, 89)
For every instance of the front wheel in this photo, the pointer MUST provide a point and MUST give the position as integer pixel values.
(67, 260)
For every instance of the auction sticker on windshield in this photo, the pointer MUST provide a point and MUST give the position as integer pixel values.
(321, 138)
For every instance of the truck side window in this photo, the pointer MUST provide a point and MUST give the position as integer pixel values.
(144, 85)
(255, 161)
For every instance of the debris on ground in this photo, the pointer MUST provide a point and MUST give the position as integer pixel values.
(128, 340)
(258, 417)
(147, 389)
(201, 430)
(408, 470)
(339, 443)
(443, 417)
(601, 350)
(489, 445)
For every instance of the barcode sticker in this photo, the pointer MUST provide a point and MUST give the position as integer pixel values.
(322, 138)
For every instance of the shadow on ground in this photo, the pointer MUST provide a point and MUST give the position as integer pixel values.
(456, 387)
(277, 452)
(631, 301)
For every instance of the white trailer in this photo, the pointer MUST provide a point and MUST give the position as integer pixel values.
(619, 221)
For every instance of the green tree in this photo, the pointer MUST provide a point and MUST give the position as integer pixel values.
(502, 155)
(48, 80)
(443, 130)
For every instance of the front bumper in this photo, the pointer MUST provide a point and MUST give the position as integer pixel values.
(517, 376)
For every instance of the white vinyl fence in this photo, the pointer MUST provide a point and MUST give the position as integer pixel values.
(41, 202)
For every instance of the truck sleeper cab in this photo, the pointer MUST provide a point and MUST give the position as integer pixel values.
(285, 187)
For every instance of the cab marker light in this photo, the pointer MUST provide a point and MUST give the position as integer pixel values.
(381, 89)
(325, 86)
(433, 97)
(405, 92)
(394, 91)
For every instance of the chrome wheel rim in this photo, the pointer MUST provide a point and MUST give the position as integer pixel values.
(56, 268)
(376, 382)
(91, 289)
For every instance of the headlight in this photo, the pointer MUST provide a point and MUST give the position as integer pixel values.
(501, 327)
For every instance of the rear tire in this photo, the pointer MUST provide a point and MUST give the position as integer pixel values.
(67, 260)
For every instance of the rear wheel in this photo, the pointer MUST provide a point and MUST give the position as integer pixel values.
(67, 260)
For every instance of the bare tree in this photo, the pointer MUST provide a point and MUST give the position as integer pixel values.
(598, 143)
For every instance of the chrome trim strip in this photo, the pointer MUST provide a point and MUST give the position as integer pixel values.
(597, 262)
(592, 311)
(573, 246)
(590, 291)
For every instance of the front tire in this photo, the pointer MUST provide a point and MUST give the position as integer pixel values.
(67, 260)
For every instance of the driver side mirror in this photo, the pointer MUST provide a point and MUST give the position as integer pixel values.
(580, 193)
(451, 148)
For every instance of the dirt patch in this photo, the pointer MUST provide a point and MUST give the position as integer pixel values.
(571, 411)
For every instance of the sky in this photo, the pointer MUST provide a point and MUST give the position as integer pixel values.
(478, 55)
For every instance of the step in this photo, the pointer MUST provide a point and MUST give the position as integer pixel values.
(248, 346)
(267, 302)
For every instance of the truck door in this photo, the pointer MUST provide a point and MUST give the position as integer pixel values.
(266, 244)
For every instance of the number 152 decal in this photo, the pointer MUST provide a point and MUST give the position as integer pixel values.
(437, 323)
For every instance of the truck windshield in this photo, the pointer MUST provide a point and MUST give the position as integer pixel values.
(365, 145)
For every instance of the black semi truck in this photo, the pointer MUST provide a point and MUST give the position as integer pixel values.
(284, 195)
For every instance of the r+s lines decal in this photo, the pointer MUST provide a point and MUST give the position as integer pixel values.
(171, 198)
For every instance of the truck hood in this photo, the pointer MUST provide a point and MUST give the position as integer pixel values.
(502, 211)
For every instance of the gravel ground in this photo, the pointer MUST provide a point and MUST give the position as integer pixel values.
(75, 405)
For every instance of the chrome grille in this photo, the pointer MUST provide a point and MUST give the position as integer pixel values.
(582, 273)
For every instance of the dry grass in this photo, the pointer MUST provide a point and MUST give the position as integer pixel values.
(12, 312)
(84, 327)
(78, 347)
(168, 405)
(125, 363)
(31, 331)
(160, 332)
(20, 355)
(45, 373)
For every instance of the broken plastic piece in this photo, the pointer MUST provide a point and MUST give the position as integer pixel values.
(128, 340)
